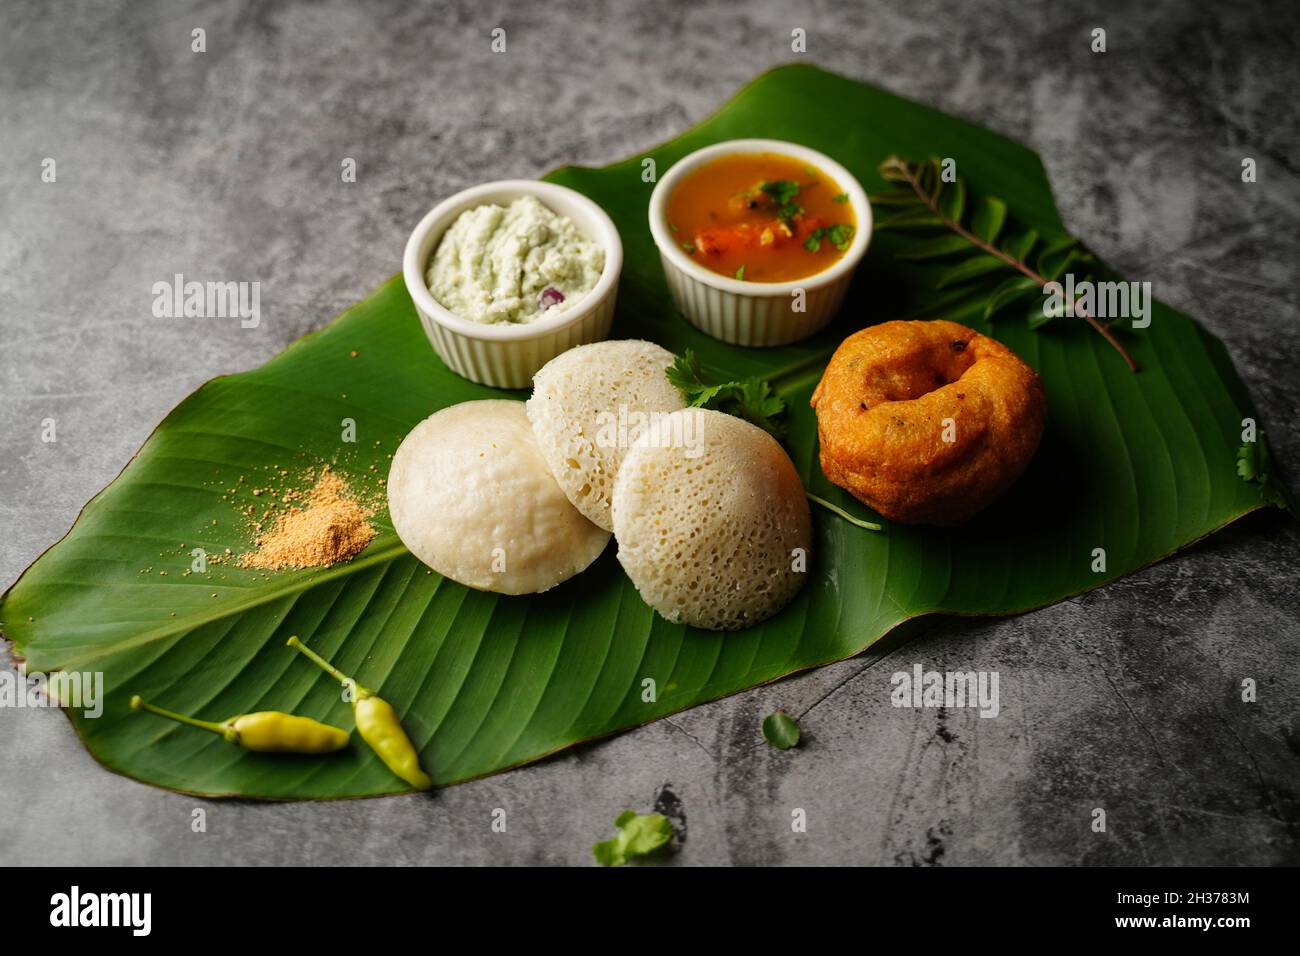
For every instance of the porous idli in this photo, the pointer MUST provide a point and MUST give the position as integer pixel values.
(589, 405)
(711, 520)
(471, 496)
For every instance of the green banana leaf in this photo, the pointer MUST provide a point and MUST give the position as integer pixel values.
(1139, 465)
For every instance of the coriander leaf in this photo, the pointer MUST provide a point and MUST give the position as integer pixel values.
(687, 377)
(814, 241)
(757, 403)
(709, 396)
(1255, 464)
(638, 836)
(687, 374)
(751, 399)
(842, 197)
(780, 730)
(782, 191)
(688, 247)
(841, 235)
(740, 273)
(1250, 460)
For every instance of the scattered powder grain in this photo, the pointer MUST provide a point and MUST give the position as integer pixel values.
(332, 526)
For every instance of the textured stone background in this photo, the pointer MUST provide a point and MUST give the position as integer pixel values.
(226, 164)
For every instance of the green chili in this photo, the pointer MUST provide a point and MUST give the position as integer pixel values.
(377, 723)
(267, 731)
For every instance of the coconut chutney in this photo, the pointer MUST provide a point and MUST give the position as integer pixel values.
(513, 264)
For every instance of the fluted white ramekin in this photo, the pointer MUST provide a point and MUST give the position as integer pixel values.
(757, 313)
(507, 355)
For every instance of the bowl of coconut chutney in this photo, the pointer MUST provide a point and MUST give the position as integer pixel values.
(507, 275)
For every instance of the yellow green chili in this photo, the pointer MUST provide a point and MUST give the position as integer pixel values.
(268, 731)
(376, 722)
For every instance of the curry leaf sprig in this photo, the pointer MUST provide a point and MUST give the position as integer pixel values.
(925, 201)
(749, 398)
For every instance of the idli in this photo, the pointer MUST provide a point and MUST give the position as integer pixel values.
(711, 520)
(589, 405)
(471, 496)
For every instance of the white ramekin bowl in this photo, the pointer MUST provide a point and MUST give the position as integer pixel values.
(756, 313)
(507, 356)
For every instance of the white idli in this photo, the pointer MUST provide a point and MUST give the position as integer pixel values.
(711, 521)
(471, 496)
(589, 405)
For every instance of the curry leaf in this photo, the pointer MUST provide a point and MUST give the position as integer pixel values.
(1037, 315)
(969, 269)
(953, 201)
(1052, 259)
(894, 197)
(989, 216)
(894, 170)
(936, 248)
(1019, 245)
(1014, 288)
(930, 180)
(919, 218)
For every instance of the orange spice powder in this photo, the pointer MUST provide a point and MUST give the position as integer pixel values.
(333, 526)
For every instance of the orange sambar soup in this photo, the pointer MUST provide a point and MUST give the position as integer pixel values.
(761, 217)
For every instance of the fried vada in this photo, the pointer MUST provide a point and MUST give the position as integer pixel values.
(927, 422)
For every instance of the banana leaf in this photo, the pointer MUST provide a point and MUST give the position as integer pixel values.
(1138, 465)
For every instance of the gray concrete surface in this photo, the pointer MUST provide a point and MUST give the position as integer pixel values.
(226, 163)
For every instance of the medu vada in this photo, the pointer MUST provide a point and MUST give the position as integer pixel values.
(927, 422)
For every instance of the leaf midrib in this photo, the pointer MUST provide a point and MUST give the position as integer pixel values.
(256, 598)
